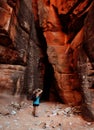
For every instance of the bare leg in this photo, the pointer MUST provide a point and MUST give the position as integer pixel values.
(35, 111)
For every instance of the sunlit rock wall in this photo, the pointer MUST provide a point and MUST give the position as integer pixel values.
(62, 23)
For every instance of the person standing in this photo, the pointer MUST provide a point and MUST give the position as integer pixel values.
(36, 101)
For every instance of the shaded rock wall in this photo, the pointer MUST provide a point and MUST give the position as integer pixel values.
(11, 78)
(19, 46)
(86, 60)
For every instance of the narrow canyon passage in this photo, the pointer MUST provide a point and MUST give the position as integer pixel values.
(48, 44)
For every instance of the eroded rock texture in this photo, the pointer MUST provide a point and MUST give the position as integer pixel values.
(19, 46)
(48, 44)
(86, 60)
(62, 24)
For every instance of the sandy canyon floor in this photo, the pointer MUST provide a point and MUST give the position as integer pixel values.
(16, 114)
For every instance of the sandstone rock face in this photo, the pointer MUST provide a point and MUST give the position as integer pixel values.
(58, 20)
(18, 47)
(5, 15)
(11, 78)
(88, 34)
(86, 60)
(11, 62)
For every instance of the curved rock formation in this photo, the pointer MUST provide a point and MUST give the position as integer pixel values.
(59, 22)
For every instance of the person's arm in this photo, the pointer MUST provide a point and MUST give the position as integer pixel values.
(39, 91)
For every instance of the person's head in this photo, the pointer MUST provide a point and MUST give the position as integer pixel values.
(37, 91)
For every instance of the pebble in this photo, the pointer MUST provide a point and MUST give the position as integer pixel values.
(88, 123)
(13, 112)
(68, 109)
(70, 123)
(1, 126)
(15, 120)
(38, 123)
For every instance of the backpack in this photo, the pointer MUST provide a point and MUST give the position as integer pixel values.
(33, 97)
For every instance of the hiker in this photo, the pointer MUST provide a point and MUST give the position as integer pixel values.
(36, 101)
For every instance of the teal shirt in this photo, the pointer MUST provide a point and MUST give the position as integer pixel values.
(37, 101)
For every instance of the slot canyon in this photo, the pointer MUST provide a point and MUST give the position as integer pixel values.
(47, 44)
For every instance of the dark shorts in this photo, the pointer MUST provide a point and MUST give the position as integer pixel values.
(35, 105)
